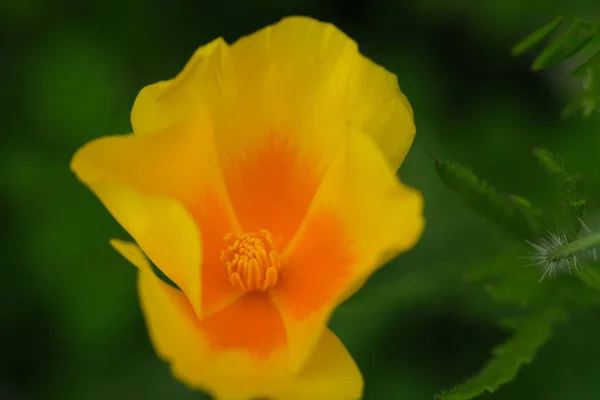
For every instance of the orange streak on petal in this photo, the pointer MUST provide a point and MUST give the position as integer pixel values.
(252, 323)
(271, 186)
(317, 268)
(214, 221)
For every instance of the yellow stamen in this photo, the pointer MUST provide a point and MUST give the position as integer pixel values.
(251, 260)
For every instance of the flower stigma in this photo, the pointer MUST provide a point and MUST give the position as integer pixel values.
(252, 261)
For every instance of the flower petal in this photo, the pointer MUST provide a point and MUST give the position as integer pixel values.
(214, 217)
(163, 229)
(271, 186)
(182, 341)
(163, 188)
(178, 162)
(170, 102)
(360, 217)
(379, 109)
(300, 73)
(132, 253)
(330, 374)
(251, 324)
(170, 318)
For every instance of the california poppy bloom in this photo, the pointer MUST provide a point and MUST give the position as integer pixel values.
(262, 181)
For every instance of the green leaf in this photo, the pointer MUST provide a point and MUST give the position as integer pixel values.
(537, 36)
(532, 331)
(565, 185)
(511, 213)
(573, 40)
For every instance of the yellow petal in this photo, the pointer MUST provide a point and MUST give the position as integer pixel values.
(330, 374)
(171, 187)
(235, 375)
(301, 73)
(360, 217)
(132, 253)
(163, 229)
(378, 108)
(169, 317)
(178, 162)
(166, 103)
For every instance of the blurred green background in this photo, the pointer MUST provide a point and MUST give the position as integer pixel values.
(71, 327)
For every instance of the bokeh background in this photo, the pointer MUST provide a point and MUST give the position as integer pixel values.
(70, 323)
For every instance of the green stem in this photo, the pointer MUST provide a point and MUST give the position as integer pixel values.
(577, 246)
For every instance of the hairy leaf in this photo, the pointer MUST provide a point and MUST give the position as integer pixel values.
(532, 331)
(564, 184)
(511, 213)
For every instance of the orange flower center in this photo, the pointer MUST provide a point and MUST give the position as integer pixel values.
(251, 260)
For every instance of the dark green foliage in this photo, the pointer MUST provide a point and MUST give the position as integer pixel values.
(513, 214)
(579, 37)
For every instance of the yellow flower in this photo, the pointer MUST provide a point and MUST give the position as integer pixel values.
(261, 180)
